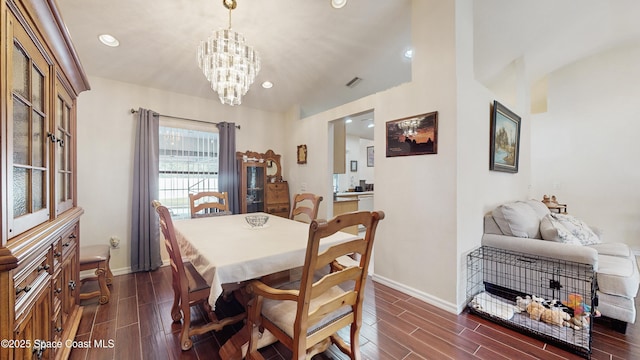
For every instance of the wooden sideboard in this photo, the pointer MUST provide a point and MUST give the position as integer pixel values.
(261, 185)
(278, 199)
(40, 219)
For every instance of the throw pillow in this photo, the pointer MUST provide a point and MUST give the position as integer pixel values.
(552, 230)
(517, 219)
(539, 207)
(577, 228)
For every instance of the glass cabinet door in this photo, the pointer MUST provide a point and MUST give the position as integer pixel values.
(255, 188)
(63, 145)
(28, 162)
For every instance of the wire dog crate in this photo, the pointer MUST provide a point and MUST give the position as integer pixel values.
(499, 282)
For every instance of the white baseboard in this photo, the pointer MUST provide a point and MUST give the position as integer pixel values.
(116, 272)
(430, 299)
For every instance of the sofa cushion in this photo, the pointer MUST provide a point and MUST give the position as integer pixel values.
(517, 219)
(490, 225)
(617, 307)
(618, 276)
(613, 249)
(539, 207)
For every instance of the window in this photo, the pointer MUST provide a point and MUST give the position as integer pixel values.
(188, 164)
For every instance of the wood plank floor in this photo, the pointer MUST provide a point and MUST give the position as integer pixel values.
(395, 326)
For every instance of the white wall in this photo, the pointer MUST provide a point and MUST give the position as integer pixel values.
(106, 138)
(586, 148)
(416, 242)
(479, 190)
(434, 204)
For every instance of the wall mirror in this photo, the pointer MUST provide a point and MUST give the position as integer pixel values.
(274, 169)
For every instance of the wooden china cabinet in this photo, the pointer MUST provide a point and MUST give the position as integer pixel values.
(39, 219)
(261, 186)
(253, 181)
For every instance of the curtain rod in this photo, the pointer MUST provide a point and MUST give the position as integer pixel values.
(133, 111)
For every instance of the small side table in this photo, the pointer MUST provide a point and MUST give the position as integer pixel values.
(559, 208)
(552, 204)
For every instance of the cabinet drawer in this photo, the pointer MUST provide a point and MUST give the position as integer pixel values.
(278, 208)
(277, 193)
(278, 186)
(58, 283)
(57, 253)
(29, 276)
(57, 325)
(69, 241)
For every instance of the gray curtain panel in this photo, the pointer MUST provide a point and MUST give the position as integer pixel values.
(228, 177)
(145, 225)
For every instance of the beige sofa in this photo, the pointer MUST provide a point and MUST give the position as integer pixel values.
(523, 226)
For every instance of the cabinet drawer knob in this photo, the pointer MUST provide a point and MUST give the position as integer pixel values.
(58, 329)
(66, 244)
(43, 267)
(57, 254)
(38, 351)
(72, 236)
(72, 285)
(58, 290)
(26, 289)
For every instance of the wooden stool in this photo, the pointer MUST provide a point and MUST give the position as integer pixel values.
(97, 257)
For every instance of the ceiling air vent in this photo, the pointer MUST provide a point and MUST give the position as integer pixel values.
(355, 81)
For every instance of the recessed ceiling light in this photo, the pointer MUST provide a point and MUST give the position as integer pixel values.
(267, 84)
(408, 54)
(337, 4)
(109, 40)
(348, 121)
(370, 125)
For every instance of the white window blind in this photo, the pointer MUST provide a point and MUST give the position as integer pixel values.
(188, 164)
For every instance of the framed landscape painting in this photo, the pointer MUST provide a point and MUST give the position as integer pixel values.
(414, 135)
(505, 139)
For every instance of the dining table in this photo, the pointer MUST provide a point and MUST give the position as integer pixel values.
(226, 250)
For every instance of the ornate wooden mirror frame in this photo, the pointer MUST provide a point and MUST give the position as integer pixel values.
(274, 169)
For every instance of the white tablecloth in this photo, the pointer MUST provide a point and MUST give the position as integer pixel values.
(225, 250)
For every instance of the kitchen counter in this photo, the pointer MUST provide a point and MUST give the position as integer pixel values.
(353, 193)
(345, 199)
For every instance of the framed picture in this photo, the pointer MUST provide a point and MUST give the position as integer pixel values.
(416, 135)
(302, 154)
(505, 139)
(370, 156)
(354, 165)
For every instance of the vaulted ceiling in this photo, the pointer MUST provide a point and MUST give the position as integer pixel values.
(310, 51)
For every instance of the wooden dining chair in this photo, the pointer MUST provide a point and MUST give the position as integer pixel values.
(209, 203)
(305, 207)
(189, 287)
(306, 315)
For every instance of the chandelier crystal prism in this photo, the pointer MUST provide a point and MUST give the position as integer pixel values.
(228, 63)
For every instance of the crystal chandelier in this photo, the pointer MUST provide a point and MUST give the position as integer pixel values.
(409, 127)
(228, 63)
